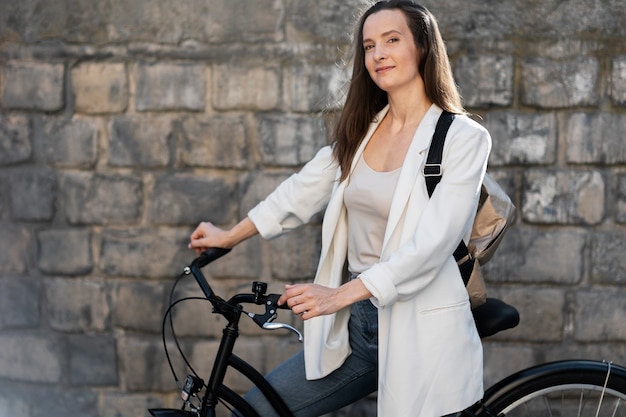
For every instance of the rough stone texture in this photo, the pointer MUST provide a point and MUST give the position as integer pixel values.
(564, 197)
(620, 215)
(189, 199)
(556, 84)
(102, 199)
(596, 138)
(170, 87)
(100, 87)
(32, 86)
(65, 251)
(291, 140)
(77, 305)
(139, 141)
(529, 139)
(125, 123)
(487, 80)
(32, 195)
(15, 142)
(216, 142)
(63, 142)
(618, 80)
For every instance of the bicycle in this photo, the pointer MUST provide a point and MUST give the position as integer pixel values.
(569, 387)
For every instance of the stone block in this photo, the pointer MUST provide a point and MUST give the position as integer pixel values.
(618, 80)
(15, 142)
(100, 87)
(32, 86)
(77, 305)
(542, 314)
(295, 256)
(258, 187)
(600, 315)
(66, 142)
(324, 21)
(157, 253)
(188, 199)
(563, 197)
(602, 351)
(19, 302)
(501, 360)
(139, 141)
(93, 360)
(33, 195)
(102, 198)
(16, 249)
(259, 21)
(520, 257)
(485, 80)
(136, 305)
(608, 264)
(31, 358)
(314, 87)
(65, 251)
(170, 87)
(63, 402)
(119, 404)
(245, 87)
(596, 138)
(290, 140)
(549, 83)
(145, 366)
(12, 405)
(522, 138)
(620, 215)
(216, 142)
(244, 262)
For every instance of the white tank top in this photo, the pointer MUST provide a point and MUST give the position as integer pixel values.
(367, 199)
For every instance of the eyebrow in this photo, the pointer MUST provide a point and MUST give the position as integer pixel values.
(389, 32)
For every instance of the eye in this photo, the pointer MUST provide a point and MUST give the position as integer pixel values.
(392, 40)
(367, 47)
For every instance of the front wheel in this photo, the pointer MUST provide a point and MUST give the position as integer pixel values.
(559, 389)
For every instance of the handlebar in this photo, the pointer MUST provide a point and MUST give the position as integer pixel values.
(231, 309)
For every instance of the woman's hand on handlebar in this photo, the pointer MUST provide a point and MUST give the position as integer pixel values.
(312, 300)
(207, 235)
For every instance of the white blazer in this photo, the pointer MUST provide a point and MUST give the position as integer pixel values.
(430, 354)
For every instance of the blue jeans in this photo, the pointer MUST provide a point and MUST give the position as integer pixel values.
(355, 379)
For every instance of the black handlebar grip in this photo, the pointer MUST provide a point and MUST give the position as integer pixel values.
(209, 256)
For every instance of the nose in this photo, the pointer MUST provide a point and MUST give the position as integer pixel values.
(379, 53)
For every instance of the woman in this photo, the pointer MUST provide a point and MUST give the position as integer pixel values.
(399, 321)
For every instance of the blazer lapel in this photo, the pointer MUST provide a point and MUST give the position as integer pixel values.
(335, 206)
(411, 169)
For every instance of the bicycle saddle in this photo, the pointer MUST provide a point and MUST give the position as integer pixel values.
(494, 316)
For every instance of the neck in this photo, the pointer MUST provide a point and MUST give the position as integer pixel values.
(408, 106)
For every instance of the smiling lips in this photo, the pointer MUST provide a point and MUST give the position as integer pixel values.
(383, 69)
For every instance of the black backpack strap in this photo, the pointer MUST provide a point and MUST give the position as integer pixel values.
(432, 169)
(433, 173)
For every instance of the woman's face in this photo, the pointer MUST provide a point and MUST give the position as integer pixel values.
(391, 56)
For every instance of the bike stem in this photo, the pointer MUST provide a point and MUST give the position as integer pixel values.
(230, 334)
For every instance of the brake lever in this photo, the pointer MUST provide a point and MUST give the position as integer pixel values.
(264, 321)
(276, 326)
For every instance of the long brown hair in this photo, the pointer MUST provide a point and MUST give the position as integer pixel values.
(365, 99)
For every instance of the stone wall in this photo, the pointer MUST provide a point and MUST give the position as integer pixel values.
(124, 124)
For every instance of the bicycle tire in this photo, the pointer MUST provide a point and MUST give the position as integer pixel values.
(576, 388)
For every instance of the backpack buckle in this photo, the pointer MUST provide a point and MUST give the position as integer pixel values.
(432, 170)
